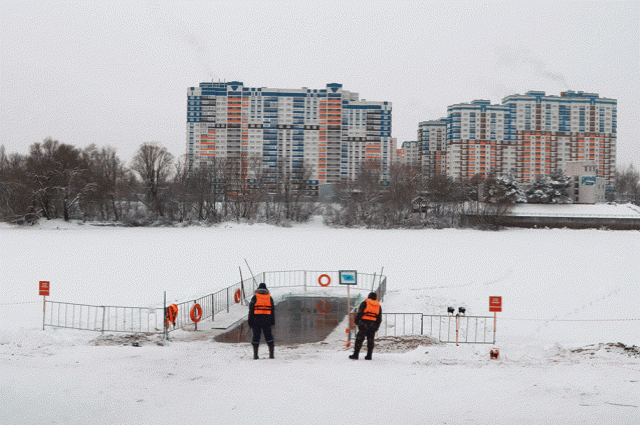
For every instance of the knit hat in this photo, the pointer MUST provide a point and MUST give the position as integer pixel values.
(373, 295)
(262, 286)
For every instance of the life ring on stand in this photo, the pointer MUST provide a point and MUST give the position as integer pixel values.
(196, 313)
(328, 280)
(237, 296)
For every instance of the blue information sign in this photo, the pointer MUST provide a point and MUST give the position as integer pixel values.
(348, 277)
(588, 180)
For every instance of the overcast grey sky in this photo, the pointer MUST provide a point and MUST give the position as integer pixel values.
(116, 74)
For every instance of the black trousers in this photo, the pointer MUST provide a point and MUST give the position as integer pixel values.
(262, 328)
(367, 329)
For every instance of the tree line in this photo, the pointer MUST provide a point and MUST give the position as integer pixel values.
(57, 180)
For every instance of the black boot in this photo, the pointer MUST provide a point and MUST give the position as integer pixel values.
(270, 350)
(356, 351)
(369, 352)
(255, 351)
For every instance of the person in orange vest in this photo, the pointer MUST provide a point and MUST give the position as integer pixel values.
(262, 315)
(368, 319)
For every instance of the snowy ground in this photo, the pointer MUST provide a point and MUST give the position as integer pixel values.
(566, 355)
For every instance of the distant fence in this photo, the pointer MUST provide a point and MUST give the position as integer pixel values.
(448, 329)
(152, 319)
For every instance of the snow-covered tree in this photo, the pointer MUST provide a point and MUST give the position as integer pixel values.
(502, 189)
(552, 189)
(560, 185)
(513, 193)
(539, 191)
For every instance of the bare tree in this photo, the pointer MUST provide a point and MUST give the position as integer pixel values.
(196, 191)
(403, 186)
(628, 185)
(234, 186)
(361, 200)
(4, 161)
(107, 172)
(440, 191)
(59, 177)
(15, 203)
(199, 185)
(250, 193)
(153, 163)
(290, 190)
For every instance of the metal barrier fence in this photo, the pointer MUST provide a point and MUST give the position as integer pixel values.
(151, 320)
(445, 328)
(448, 329)
(103, 318)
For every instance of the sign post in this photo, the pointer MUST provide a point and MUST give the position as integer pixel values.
(495, 305)
(44, 291)
(348, 277)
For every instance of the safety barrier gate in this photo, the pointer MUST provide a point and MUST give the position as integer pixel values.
(152, 319)
(457, 329)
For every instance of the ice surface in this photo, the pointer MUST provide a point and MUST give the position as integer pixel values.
(569, 321)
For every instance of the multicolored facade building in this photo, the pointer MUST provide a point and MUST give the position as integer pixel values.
(409, 154)
(552, 131)
(432, 140)
(328, 132)
(478, 139)
(527, 136)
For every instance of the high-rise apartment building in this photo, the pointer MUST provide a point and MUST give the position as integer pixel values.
(327, 132)
(408, 154)
(432, 142)
(527, 136)
(478, 139)
(552, 131)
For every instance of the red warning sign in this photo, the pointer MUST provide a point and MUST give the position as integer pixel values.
(44, 287)
(495, 304)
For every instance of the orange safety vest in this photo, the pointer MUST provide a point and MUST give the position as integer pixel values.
(172, 313)
(263, 304)
(372, 310)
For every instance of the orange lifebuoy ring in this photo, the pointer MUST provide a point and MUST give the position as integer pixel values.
(323, 306)
(196, 313)
(328, 280)
(237, 296)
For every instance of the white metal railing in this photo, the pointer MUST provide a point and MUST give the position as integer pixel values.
(152, 319)
(459, 329)
(103, 318)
